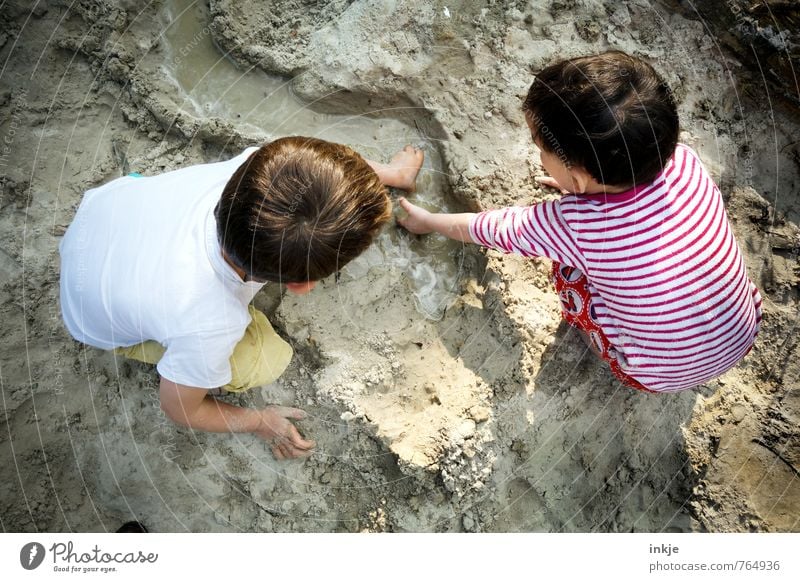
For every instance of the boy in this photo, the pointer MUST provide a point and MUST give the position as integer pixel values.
(645, 263)
(163, 269)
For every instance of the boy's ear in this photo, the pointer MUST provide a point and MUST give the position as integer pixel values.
(581, 179)
(301, 288)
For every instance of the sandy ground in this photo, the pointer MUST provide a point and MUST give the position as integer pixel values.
(490, 418)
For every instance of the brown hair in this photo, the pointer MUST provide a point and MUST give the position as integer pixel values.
(610, 114)
(299, 209)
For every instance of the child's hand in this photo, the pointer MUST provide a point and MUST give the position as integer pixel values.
(283, 435)
(418, 219)
(550, 182)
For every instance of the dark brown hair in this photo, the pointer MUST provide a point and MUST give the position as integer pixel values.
(299, 209)
(610, 114)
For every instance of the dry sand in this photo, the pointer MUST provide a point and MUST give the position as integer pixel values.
(489, 415)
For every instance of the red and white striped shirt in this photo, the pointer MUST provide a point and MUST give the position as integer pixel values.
(666, 276)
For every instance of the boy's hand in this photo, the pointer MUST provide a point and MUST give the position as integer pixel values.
(418, 219)
(283, 435)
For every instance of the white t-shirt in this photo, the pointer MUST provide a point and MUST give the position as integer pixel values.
(141, 261)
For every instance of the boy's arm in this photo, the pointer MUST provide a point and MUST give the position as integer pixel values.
(194, 408)
(420, 221)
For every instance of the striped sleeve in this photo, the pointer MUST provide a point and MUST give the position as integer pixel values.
(539, 230)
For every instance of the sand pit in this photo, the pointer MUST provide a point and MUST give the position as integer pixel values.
(442, 389)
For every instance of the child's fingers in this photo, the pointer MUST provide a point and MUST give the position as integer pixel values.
(292, 445)
(295, 452)
(289, 452)
(550, 182)
(288, 412)
(298, 441)
(404, 204)
(408, 207)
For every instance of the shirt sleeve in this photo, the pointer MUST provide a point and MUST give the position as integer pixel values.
(199, 360)
(532, 231)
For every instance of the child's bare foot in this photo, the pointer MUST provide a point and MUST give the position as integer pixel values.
(404, 167)
(401, 172)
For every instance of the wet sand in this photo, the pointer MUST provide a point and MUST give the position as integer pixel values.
(452, 400)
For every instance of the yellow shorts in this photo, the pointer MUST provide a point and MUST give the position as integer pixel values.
(259, 358)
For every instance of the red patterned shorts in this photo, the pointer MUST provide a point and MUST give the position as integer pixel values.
(572, 287)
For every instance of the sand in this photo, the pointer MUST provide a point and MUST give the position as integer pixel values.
(479, 411)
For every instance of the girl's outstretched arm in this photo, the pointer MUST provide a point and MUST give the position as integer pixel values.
(420, 221)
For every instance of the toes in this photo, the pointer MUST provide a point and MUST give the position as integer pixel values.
(413, 150)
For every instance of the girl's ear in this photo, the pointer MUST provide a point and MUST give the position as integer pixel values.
(581, 180)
